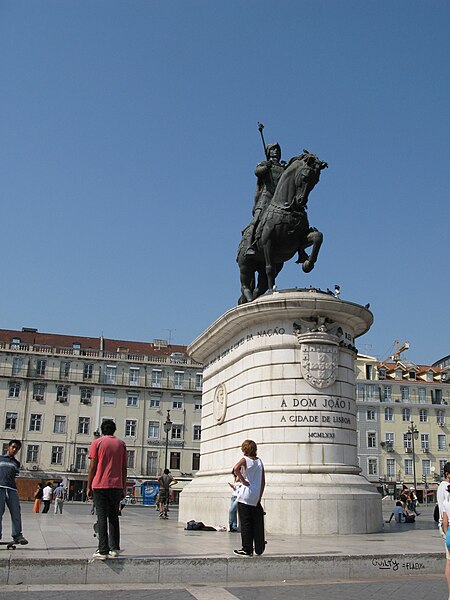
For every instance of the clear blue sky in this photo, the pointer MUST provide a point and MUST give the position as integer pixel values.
(128, 145)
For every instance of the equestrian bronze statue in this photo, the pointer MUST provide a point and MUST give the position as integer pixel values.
(280, 227)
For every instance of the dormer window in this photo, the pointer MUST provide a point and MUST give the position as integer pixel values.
(381, 373)
(429, 376)
(398, 374)
(412, 375)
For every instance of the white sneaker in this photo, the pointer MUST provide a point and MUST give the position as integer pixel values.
(99, 556)
(114, 553)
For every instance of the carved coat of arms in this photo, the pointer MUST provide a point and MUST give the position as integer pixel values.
(319, 364)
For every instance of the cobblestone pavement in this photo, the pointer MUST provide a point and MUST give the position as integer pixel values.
(431, 588)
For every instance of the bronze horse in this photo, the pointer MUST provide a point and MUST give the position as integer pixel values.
(283, 229)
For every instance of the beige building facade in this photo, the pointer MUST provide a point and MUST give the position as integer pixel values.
(403, 422)
(55, 391)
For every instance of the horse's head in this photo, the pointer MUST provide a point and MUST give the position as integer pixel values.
(307, 175)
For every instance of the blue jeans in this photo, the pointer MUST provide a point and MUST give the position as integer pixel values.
(10, 498)
(232, 513)
(106, 503)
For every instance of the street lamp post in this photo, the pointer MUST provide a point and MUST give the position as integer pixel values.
(413, 434)
(167, 429)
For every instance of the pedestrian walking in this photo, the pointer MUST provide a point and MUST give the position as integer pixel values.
(47, 495)
(59, 495)
(38, 498)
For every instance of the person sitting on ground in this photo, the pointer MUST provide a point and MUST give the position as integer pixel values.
(398, 514)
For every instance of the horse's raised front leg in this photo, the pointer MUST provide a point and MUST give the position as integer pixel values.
(314, 239)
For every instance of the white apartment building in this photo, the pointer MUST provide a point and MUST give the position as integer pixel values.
(55, 391)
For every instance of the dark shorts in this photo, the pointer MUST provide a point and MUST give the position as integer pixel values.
(163, 495)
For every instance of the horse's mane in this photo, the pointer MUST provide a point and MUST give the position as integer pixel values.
(300, 157)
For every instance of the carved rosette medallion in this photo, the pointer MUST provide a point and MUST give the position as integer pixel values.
(220, 403)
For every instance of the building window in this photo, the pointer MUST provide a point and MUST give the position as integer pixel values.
(57, 455)
(426, 467)
(423, 415)
(41, 366)
(130, 428)
(369, 372)
(406, 414)
(153, 430)
(422, 394)
(178, 379)
(381, 373)
(155, 401)
(408, 466)
(17, 365)
(80, 458)
(177, 402)
(197, 403)
(425, 441)
(442, 441)
(407, 442)
(156, 377)
(14, 389)
(436, 396)
(197, 433)
(64, 368)
(132, 400)
(59, 425)
(388, 413)
(88, 369)
(371, 439)
(134, 376)
(130, 459)
(32, 453)
(177, 432)
(35, 422)
(387, 393)
(198, 381)
(441, 467)
(370, 414)
(372, 466)
(398, 373)
(111, 372)
(109, 397)
(38, 391)
(412, 375)
(390, 467)
(389, 439)
(152, 463)
(86, 395)
(404, 393)
(11, 421)
(175, 460)
(196, 461)
(84, 424)
(62, 393)
(440, 417)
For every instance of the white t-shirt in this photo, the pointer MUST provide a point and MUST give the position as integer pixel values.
(47, 493)
(446, 509)
(253, 474)
(442, 496)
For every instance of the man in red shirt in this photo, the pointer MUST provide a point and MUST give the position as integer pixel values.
(107, 478)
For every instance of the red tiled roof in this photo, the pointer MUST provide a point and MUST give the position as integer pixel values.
(89, 343)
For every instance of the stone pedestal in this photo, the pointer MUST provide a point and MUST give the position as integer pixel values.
(280, 371)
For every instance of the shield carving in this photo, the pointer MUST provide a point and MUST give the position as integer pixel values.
(319, 364)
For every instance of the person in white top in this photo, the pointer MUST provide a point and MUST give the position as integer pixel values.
(250, 472)
(444, 513)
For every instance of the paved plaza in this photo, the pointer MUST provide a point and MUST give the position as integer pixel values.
(162, 552)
